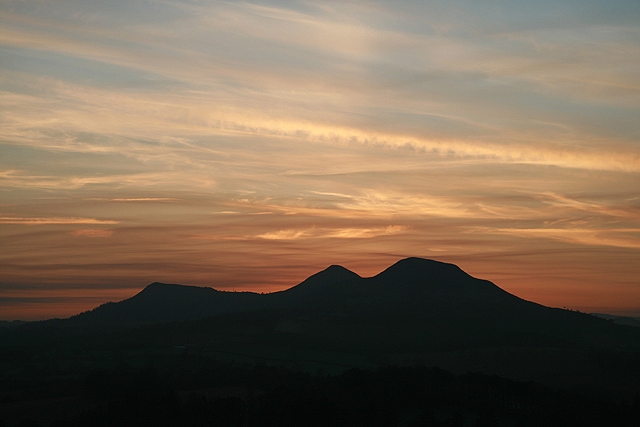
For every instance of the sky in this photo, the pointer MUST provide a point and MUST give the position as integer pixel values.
(248, 145)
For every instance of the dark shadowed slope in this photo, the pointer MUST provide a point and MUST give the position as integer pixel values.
(429, 291)
(327, 281)
(160, 302)
(422, 288)
(323, 291)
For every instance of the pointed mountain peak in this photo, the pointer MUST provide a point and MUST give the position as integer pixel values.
(335, 273)
(329, 276)
(338, 270)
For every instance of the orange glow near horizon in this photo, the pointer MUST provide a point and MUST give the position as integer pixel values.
(247, 146)
(581, 292)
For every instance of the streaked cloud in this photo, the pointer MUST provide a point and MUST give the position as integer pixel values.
(139, 199)
(90, 232)
(56, 221)
(340, 233)
(630, 211)
(618, 237)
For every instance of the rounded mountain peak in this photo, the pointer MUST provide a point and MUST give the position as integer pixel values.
(420, 268)
(338, 270)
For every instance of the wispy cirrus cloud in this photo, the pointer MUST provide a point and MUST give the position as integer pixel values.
(616, 237)
(55, 221)
(137, 199)
(92, 233)
(615, 210)
(337, 233)
(147, 116)
(304, 115)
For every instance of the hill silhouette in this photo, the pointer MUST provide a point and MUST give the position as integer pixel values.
(412, 287)
(416, 304)
(415, 312)
(161, 302)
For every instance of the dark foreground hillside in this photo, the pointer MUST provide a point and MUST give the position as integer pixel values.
(192, 393)
(240, 370)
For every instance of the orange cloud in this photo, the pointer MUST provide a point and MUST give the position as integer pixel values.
(338, 233)
(56, 221)
(92, 233)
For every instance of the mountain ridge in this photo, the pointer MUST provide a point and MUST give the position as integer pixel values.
(427, 302)
(408, 281)
(419, 313)
(415, 311)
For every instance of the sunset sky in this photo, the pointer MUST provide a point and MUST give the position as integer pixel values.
(248, 145)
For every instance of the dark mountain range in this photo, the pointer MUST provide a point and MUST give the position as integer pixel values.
(416, 312)
(161, 302)
(414, 305)
(412, 288)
